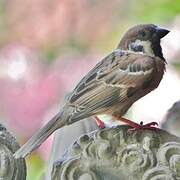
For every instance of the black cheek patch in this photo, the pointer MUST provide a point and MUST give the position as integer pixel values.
(137, 48)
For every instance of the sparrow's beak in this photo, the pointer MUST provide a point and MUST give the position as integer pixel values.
(161, 32)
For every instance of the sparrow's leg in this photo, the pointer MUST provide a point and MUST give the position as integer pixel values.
(135, 126)
(149, 126)
(100, 123)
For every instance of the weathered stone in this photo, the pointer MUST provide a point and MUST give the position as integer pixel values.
(116, 154)
(171, 122)
(10, 168)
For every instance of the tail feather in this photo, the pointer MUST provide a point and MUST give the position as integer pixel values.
(37, 139)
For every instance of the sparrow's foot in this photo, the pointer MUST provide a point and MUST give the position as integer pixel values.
(148, 126)
(135, 126)
(100, 123)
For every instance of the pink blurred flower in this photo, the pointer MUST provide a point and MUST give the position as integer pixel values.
(29, 88)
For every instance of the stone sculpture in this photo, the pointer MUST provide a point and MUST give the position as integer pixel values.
(10, 168)
(116, 154)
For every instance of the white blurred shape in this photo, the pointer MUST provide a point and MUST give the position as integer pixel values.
(175, 40)
(17, 67)
(171, 44)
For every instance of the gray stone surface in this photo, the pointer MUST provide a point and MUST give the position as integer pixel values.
(10, 168)
(65, 137)
(171, 122)
(116, 154)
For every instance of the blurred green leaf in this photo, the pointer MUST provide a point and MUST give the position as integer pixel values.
(50, 53)
(177, 66)
(2, 20)
(155, 11)
(35, 167)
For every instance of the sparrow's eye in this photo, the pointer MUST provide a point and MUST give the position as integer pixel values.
(142, 34)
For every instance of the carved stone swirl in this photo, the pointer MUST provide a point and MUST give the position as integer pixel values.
(10, 168)
(116, 154)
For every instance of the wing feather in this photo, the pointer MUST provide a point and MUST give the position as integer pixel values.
(108, 82)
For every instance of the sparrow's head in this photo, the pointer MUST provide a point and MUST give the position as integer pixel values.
(144, 38)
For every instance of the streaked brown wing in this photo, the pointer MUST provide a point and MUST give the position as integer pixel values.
(107, 83)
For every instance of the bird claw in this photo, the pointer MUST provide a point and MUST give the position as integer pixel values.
(148, 126)
(151, 124)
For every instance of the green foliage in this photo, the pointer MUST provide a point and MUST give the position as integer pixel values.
(155, 11)
(35, 168)
(2, 21)
(177, 65)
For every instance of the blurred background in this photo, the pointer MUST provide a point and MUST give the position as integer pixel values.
(47, 46)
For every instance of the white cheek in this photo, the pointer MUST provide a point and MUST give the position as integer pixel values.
(146, 45)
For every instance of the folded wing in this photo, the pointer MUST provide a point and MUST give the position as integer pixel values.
(108, 82)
